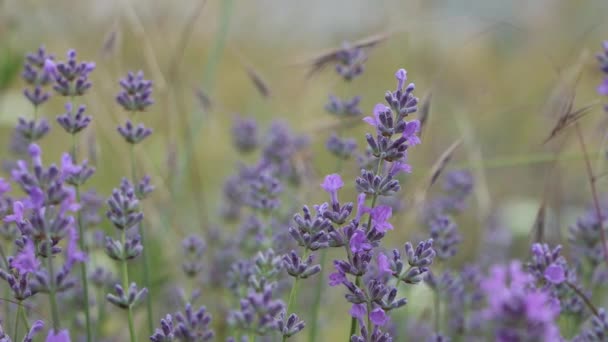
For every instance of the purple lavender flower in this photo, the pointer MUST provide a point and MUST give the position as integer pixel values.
(193, 248)
(136, 94)
(359, 242)
(351, 61)
(245, 134)
(290, 326)
(26, 261)
(515, 311)
(341, 148)
(129, 299)
(71, 77)
(344, 108)
(258, 312)
(331, 185)
(446, 237)
(30, 130)
(380, 218)
(193, 325)
(60, 336)
(34, 330)
(72, 122)
(596, 330)
(35, 75)
(134, 134)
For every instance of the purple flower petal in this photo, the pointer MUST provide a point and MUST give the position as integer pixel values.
(383, 264)
(555, 274)
(378, 317)
(358, 311)
(61, 336)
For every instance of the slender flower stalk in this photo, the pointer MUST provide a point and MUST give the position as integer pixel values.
(136, 96)
(125, 285)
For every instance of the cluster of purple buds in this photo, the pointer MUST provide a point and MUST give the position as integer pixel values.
(245, 134)
(350, 62)
(597, 329)
(280, 148)
(264, 193)
(186, 327)
(344, 108)
(418, 260)
(298, 267)
(136, 94)
(129, 299)
(289, 326)
(342, 148)
(124, 214)
(29, 337)
(552, 273)
(71, 78)
(585, 240)
(37, 76)
(72, 122)
(258, 312)
(193, 248)
(134, 134)
(517, 311)
(28, 131)
(446, 236)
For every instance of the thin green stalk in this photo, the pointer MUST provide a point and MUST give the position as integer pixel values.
(24, 319)
(353, 321)
(82, 245)
(294, 291)
(16, 328)
(292, 295)
(145, 251)
(437, 311)
(312, 335)
(125, 286)
(100, 312)
(52, 294)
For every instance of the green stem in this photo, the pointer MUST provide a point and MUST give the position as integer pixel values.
(144, 254)
(312, 335)
(437, 311)
(24, 319)
(125, 286)
(293, 293)
(52, 294)
(51, 270)
(16, 328)
(353, 321)
(83, 247)
(100, 312)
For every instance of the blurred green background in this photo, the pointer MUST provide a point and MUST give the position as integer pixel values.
(497, 70)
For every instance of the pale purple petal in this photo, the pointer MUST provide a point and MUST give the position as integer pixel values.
(378, 317)
(555, 274)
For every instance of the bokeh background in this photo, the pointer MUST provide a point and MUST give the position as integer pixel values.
(499, 73)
